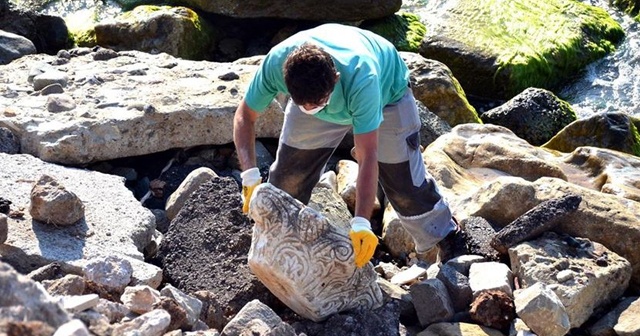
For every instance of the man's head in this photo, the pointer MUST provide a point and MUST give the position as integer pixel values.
(310, 75)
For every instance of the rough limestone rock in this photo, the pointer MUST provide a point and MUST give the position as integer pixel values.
(542, 217)
(486, 171)
(305, 260)
(52, 203)
(585, 275)
(114, 221)
(128, 105)
(22, 299)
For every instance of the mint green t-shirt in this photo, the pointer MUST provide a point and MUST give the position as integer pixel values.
(372, 75)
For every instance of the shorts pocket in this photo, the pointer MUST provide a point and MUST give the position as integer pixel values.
(413, 140)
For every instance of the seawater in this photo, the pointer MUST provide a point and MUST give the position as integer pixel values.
(611, 84)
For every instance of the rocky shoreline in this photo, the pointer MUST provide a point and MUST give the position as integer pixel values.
(138, 146)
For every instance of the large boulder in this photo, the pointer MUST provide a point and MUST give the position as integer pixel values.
(617, 131)
(585, 275)
(351, 10)
(434, 85)
(497, 50)
(535, 115)
(14, 46)
(48, 33)
(130, 104)
(177, 31)
(134, 103)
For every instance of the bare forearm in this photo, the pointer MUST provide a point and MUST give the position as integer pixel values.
(244, 136)
(367, 183)
(366, 188)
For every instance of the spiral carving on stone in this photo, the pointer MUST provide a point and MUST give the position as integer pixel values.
(305, 260)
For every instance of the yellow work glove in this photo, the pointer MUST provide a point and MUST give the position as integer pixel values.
(250, 180)
(363, 240)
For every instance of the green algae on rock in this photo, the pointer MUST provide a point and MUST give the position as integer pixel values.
(178, 31)
(631, 7)
(497, 48)
(617, 131)
(404, 30)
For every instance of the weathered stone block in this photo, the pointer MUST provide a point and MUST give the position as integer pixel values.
(305, 260)
(583, 274)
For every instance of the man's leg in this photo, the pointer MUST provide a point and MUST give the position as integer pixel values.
(412, 191)
(305, 145)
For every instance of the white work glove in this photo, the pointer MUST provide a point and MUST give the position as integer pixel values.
(364, 241)
(250, 180)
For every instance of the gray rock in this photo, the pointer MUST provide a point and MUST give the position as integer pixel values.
(52, 89)
(432, 302)
(457, 286)
(14, 46)
(50, 77)
(600, 275)
(28, 300)
(114, 222)
(534, 222)
(9, 143)
(605, 325)
(4, 228)
(253, 310)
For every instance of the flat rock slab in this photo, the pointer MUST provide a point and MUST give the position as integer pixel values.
(114, 223)
(129, 105)
(306, 260)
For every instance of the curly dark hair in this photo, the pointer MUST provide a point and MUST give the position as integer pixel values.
(310, 74)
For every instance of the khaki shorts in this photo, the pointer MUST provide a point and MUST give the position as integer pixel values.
(306, 143)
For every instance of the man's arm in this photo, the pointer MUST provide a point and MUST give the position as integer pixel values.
(367, 183)
(244, 135)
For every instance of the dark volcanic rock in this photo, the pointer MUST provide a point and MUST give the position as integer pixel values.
(534, 222)
(479, 234)
(206, 248)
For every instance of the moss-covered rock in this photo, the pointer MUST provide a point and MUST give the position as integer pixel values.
(404, 30)
(535, 115)
(617, 131)
(631, 7)
(433, 84)
(497, 48)
(178, 31)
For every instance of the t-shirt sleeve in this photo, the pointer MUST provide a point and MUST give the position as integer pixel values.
(366, 106)
(263, 88)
